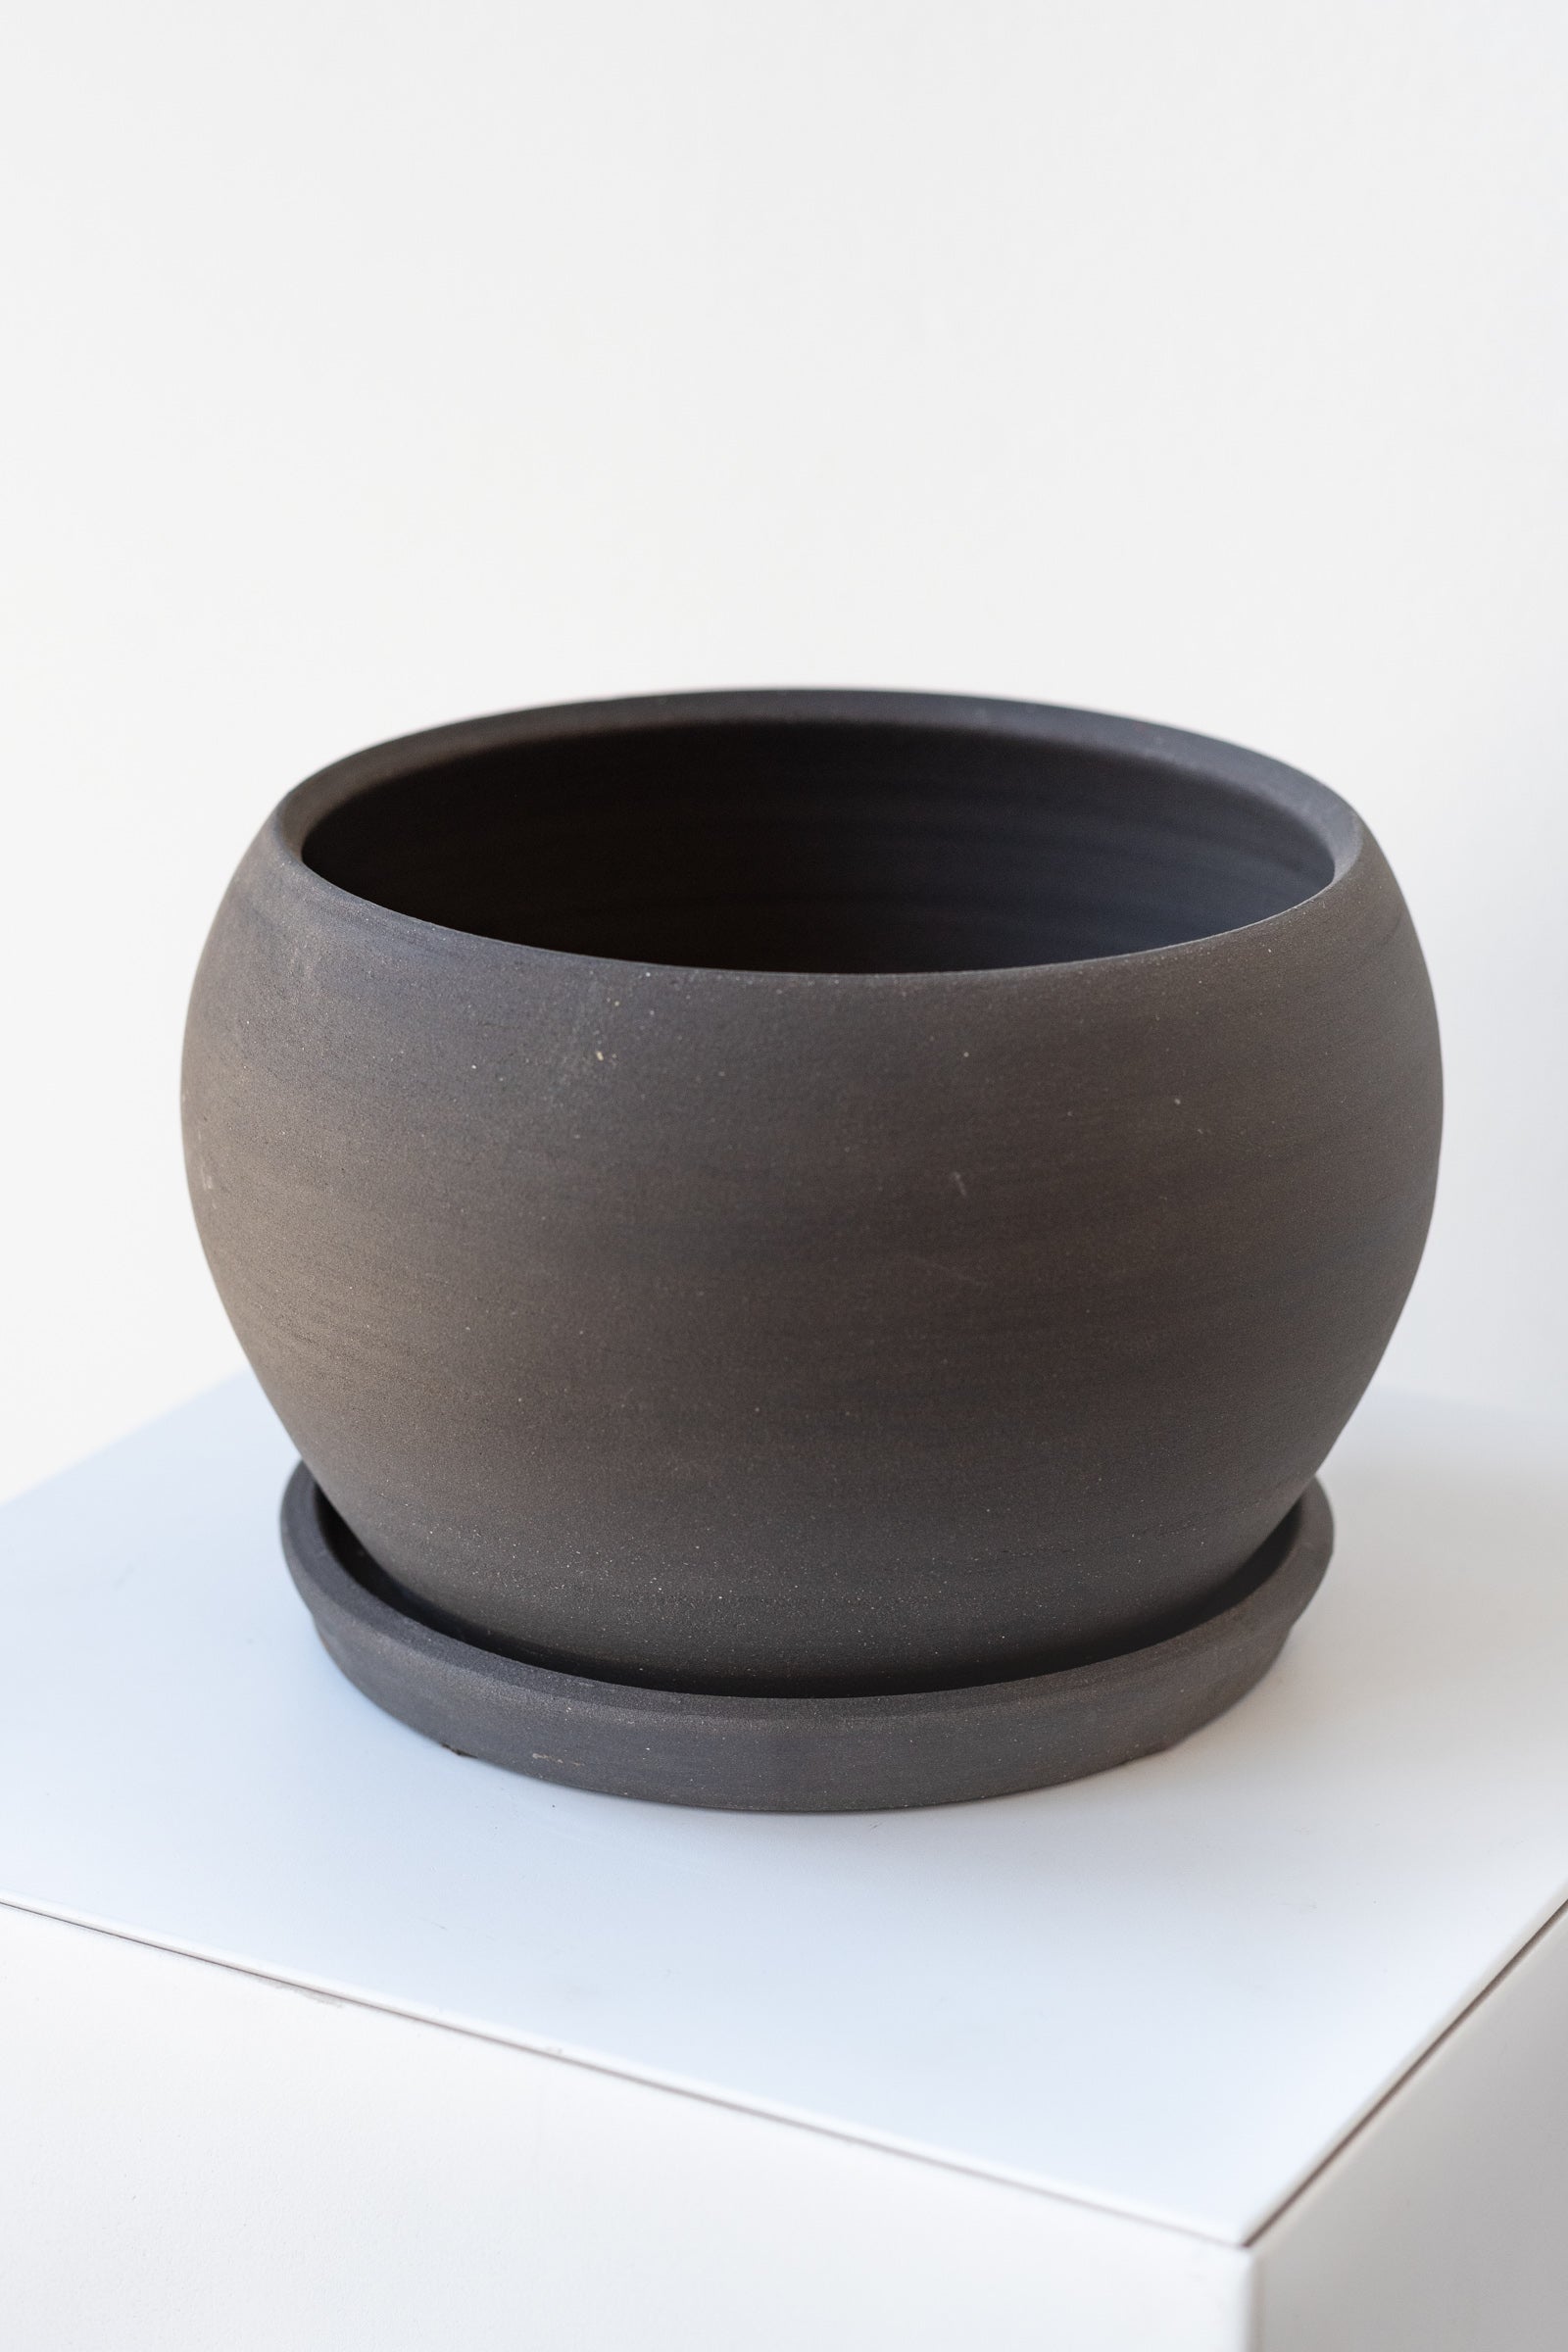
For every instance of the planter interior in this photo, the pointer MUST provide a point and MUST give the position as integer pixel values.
(819, 848)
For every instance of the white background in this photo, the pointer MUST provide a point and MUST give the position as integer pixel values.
(367, 365)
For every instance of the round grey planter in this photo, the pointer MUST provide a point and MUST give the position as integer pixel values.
(811, 1198)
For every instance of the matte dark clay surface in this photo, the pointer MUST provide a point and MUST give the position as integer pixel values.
(769, 1193)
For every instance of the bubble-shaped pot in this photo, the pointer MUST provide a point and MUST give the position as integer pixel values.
(765, 1212)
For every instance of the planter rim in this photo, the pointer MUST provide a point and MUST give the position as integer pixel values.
(1332, 820)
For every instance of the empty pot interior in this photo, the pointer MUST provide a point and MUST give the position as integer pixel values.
(819, 846)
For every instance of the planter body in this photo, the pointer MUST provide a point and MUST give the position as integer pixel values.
(810, 1331)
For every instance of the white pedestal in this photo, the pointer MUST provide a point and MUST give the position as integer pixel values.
(316, 2035)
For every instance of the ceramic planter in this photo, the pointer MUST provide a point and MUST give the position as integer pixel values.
(812, 1244)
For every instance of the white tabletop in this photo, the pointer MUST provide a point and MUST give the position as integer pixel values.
(1170, 1991)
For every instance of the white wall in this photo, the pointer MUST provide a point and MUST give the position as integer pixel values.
(371, 364)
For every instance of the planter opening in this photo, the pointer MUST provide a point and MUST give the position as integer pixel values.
(824, 847)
